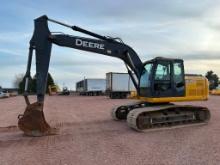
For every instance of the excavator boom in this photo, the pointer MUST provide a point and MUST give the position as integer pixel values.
(41, 42)
(43, 39)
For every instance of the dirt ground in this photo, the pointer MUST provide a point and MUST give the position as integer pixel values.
(88, 135)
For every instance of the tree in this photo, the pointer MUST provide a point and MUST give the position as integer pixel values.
(33, 84)
(17, 80)
(213, 79)
(21, 85)
(50, 82)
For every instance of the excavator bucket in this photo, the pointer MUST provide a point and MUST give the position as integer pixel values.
(33, 122)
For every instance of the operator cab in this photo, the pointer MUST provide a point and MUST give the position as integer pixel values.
(162, 77)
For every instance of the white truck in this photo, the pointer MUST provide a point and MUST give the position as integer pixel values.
(118, 85)
(3, 94)
(91, 87)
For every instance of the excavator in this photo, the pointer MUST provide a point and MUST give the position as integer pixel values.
(159, 82)
(215, 91)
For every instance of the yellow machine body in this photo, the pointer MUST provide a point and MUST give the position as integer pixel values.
(53, 89)
(196, 88)
(215, 92)
(133, 95)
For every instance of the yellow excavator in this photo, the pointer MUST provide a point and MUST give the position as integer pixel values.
(215, 91)
(158, 82)
(53, 90)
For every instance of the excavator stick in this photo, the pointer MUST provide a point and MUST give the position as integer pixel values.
(32, 122)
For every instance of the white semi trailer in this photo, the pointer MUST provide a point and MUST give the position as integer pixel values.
(118, 85)
(91, 87)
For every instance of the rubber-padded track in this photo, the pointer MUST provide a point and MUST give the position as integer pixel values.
(166, 116)
(120, 112)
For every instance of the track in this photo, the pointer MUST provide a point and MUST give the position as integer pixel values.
(121, 112)
(143, 116)
(166, 116)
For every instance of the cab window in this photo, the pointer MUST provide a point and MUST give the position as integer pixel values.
(145, 76)
(162, 71)
(178, 74)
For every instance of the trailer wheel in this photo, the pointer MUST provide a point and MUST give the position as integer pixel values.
(118, 95)
(114, 95)
(124, 96)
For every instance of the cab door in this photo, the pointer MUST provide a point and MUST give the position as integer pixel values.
(162, 79)
(178, 78)
(168, 79)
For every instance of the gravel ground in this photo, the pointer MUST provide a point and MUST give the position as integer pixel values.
(88, 135)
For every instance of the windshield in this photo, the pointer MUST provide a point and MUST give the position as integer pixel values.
(145, 76)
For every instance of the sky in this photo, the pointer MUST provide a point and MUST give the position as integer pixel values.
(186, 29)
